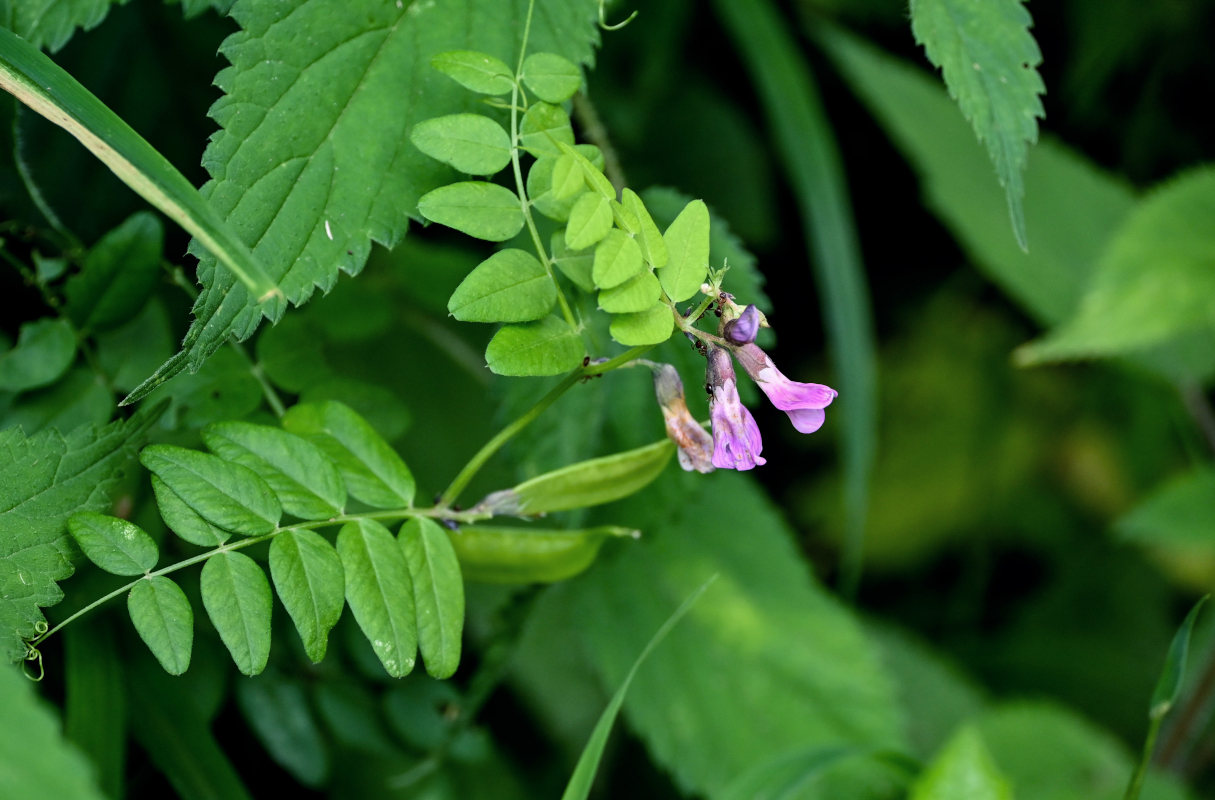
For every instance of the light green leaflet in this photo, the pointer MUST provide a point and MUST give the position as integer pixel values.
(542, 127)
(226, 495)
(164, 620)
(509, 286)
(117, 546)
(545, 347)
(482, 210)
(438, 592)
(308, 576)
(554, 79)
(380, 593)
(653, 247)
(617, 259)
(44, 351)
(118, 275)
(652, 326)
(687, 244)
(590, 220)
(639, 293)
(471, 143)
(963, 770)
(478, 72)
(184, 520)
(237, 597)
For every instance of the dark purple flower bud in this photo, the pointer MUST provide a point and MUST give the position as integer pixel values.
(695, 444)
(743, 329)
(736, 440)
(803, 402)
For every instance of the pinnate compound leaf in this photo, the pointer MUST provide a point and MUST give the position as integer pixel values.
(308, 576)
(989, 60)
(652, 326)
(553, 78)
(44, 480)
(963, 770)
(226, 495)
(471, 143)
(373, 471)
(545, 347)
(653, 247)
(687, 241)
(44, 351)
(509, 286)
(542, 127)
(438, 593)
(590, 220)
(236, 594)
(118, 275)
(640, 293)
(164, 620)
(117, 546)
(478, 72)
(380, 593)
(497, 554)
(617, 258)
(305, 480)
(481, 210)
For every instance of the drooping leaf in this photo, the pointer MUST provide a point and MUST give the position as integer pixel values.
(236, 594)
(306, 482)
(227, 495)
(497, 554)
(617, 258)
(687, 243)
(639, 293)
(117, 546)
(471, 143)
(380, 593)
(652, 326)
(479, 72)
(482, 210)
(545, 347)
(373, 471)
(278, 711)
(589, 221)
(118, 274)
(164, 620)
(44, 351)
(963, 770)
(44, 480)
(308, 576)
(553, 78)
(438, 593)
(989, 60)
(542, 127)
(509, 286)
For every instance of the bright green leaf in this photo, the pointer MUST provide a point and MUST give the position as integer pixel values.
(496, 554)
(575, 265)
(236, 594)
(644, 327)
(373, 471)
(592, 170)
(308, 576)
(1179, 512)
(687, 241)
(541, 193)
(438, 592)
(482, 210)
(118, 275)
(542, 127)
(639, 293)
(164, 620)
(617, 259)
(553, 78)
(653, 247)
(471, 143)
(305, 480)
(589, 221)
(380, 593)
(478, 72)
(963, 770)
(1168, 687)
(509, 286)
(568, 179)
(183, 520)
(228, 496)
(45, 349)
(117, 546)
(545, 347)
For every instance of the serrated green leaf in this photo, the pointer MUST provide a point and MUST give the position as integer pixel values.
(50, 24)
(278, 711)
(963, 770)
(226, 495)
(479, 72)
(575, 265)
(589, 221)
(183, 520)
(380, 593)
(373, 471)
(542, 127)
(639, 293)
(305, 480)
(592, 172)
(545, 347)
(44, 480)
(497, 554)
(164, 620)
(509, 286)
(617, 259)
(989, 59)
(308, 576)
(687, 242)
(44, 351)
(117, 546)
(653, 247)
(553, 78)
(118, 274)
(482, 210)
(644, 327)
(438, 593)
(236, 594)
(471, 143)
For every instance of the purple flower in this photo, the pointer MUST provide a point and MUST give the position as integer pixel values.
(803, 402)
(736, 440)
(743, 329)
(695, 444)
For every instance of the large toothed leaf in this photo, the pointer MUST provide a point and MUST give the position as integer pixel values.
(687, 243)
(438, 593)
(236, 594)
(50, 23)
(44, 480)
(545, 347)
(509, 286)
(989, 59)
(308, 576)
(226, 495)
(313, 160)
(380, 593)
(117, 546)
(164, 620)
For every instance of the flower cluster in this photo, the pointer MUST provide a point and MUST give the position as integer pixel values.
(736, 442)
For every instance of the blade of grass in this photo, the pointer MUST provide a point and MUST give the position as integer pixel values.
(35, 80)
(806, 146)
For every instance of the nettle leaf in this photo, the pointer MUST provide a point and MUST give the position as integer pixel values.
(313, 162)
(481, 210)
(542, 127)
(617, 259)
(438, 593)
(687, 241)
(590, 220)
(497, 554)
(509, 286)
(545, 347)
(44, 480)
(305, 480)
(183, 520)
(989, 60)
(652, 326)
(963, 770)
(372, 470)
(639, 293)
(44, 351)
(226, 495)
(117, 546)
(236, 594)
(380, 593)
(118, 275)
(309, 579)
(471, 143)
(653, 247)
(164, 620)
(575, 265)
(553, 78)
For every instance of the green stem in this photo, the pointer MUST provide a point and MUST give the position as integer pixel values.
(1149, 745)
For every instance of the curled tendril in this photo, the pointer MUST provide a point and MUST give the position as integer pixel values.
(603, 23)
(32, 653)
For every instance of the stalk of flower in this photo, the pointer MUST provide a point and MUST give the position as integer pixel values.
(695, 444)
(736, 440)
